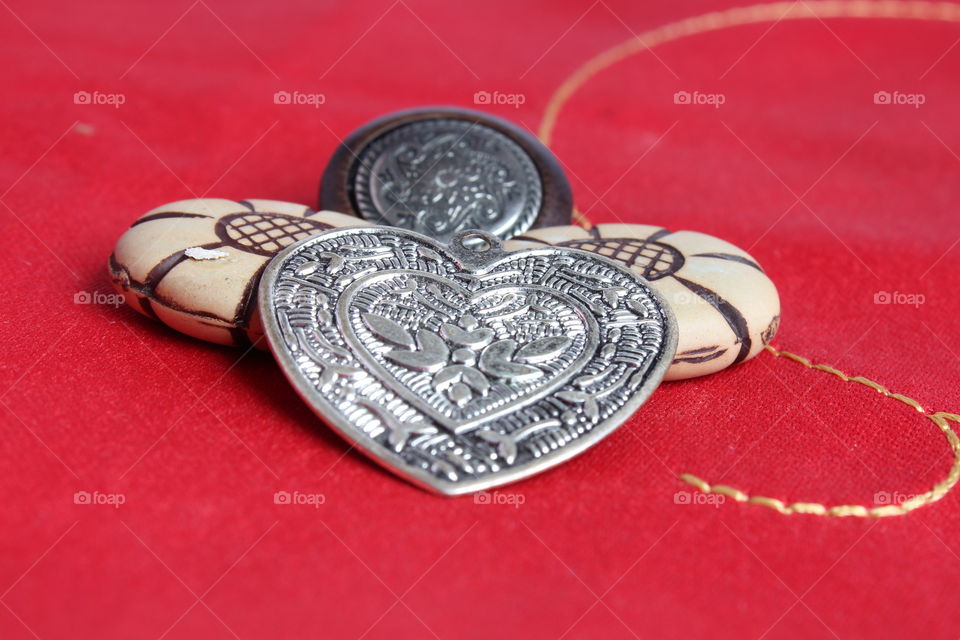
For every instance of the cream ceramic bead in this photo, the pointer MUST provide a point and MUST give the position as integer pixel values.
(727, 308)
(194, 264)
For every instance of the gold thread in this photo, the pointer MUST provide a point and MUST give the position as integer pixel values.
(714, 21)
(580, 219)
(777, 11)
(941, 419)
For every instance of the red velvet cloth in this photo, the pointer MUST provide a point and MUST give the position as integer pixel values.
(196, 442)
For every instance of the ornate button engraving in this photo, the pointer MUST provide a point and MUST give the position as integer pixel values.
(441, 176)
(442, 170)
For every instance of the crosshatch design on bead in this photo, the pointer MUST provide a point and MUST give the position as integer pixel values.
(265, 233)
(463, 367)
(651, 259)
(195, 264)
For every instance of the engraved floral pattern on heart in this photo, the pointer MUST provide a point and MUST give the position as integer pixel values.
(466, 356)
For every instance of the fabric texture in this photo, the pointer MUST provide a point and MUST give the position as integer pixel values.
(141, 467)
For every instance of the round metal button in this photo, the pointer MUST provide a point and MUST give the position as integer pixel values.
(439, 171)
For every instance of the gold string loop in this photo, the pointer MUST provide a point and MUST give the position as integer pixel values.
(775, 12)
(939, 490)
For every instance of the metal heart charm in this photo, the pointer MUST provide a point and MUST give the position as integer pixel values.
(463, 367)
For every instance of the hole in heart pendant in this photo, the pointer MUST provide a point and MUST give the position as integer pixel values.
(475, 241)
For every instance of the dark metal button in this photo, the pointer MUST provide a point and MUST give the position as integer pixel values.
(440, 170)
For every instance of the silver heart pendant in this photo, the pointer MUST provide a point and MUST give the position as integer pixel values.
(463, 367)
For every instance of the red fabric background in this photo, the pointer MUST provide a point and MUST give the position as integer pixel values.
(197, 442)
